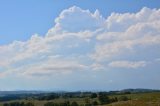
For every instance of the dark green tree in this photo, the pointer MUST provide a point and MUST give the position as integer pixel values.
(93, 95)
(6, 104)
(103, 98)
(74, 104)
(94, 103)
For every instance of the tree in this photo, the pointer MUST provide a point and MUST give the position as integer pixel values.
(74, 104)
(68, 103)
(94, 103)
(18, 104)
(29, 104)
(48, 104)
(22, 104)
(88, 104)
(93, 95)
(87, 100)
(103, 98)
(6, 104)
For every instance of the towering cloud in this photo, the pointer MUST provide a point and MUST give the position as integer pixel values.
(81, 40)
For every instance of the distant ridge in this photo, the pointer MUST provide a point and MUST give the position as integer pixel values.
(4, 93)
(139, 90)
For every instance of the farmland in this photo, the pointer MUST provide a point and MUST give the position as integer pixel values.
(112, 98)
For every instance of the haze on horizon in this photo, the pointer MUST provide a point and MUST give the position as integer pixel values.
(79, 45)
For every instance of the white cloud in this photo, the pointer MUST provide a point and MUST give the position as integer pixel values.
(127, 64)
(97, 66)
(82, 19)
(53, 67)
(80, 33)
(75, 19)
(129, 32)
(49, 67)
(117, 22)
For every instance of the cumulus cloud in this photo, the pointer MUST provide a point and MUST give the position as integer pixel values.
(118, 22)
(127, 64)
(127, 32)
(81, 39)
(82, 19)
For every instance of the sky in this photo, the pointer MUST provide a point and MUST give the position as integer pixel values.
(79, 44)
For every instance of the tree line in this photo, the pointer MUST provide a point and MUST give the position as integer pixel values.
(18, 104)
(89, 99)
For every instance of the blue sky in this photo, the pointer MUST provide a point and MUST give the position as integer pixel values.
(79, 44)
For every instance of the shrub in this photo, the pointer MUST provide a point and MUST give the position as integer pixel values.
(123, 98)
(94, 103)
(74, 104)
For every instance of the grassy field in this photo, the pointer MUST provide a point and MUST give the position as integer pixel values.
(140, 99)
(80, 101)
